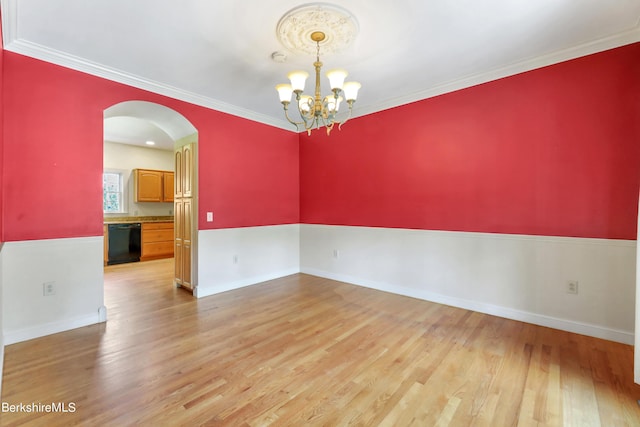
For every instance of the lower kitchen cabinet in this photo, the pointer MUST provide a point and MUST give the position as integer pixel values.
(106, 244)
(157, 240)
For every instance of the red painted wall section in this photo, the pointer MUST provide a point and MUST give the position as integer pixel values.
(249, 173)
(554, 151)
(1, 130)
(53, 149)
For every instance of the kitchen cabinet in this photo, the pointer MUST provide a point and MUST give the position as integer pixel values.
(157, 240)
(183, 242)
(184, 171)
(167, 186)
(177, 167)
(153, 185)
(185, 216)
(188, 172)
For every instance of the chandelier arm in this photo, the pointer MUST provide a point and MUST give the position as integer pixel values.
(326, 114)
(329, 127)
(286, 115)
(308, 121)
(350, 102)
(308, 117)
(322, 120)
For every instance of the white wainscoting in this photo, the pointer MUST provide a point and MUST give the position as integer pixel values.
(231, 258)
(1, 316)
(75, 265)
(636, 354)
(518, 277)
(512, 276)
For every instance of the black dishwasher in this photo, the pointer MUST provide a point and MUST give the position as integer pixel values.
(124, 243)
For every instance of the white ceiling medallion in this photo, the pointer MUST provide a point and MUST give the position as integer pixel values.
(295, 27)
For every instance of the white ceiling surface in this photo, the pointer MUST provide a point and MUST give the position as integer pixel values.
(136, 122)
(218, 53)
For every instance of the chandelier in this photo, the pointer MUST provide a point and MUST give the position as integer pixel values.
(316, 111)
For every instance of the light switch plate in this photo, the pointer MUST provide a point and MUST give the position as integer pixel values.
(209, 216)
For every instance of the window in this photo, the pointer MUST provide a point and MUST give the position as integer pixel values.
(113, 192)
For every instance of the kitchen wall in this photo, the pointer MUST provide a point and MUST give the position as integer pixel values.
(128, 157)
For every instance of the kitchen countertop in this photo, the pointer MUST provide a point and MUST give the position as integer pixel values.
(130, 219)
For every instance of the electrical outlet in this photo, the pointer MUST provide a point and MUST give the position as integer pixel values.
(572, 287)
(336, 253)
(48, 289)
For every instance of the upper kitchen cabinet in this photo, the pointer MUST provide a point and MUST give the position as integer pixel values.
(188, 171)
(167, 186)
(184, 171)
(153, 185)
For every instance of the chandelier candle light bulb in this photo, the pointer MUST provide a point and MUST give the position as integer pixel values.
(298, 79)
(351, 90)
(336, 78)
(318, 111)
(284, 90)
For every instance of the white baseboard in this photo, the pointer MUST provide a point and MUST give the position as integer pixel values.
(232, 258)
(41, 330)
(513, 276)
(626, 337)
(1, 360)
(205, 290)
(73, 265)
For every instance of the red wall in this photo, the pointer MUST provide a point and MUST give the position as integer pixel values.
(1, 129)
(554, 151)
(550, 152)
(53, 148)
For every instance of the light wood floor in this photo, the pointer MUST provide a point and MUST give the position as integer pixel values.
(302, 350)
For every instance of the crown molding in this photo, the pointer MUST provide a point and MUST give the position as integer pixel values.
(621, 39)
(79, 64)
(13, 44)
(9, 20)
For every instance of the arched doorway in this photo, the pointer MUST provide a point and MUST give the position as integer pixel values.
(138, 123)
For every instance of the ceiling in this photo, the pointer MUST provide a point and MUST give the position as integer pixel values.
(218, 53)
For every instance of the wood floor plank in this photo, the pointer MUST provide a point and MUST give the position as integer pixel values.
(303, 350)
